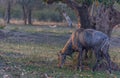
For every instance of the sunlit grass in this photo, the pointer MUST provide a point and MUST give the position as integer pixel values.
(116, 32)
(115, 55)
(30, 49)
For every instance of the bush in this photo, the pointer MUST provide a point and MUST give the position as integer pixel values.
(16, 12)
(72, 15)
(1, 12)
(47, 15)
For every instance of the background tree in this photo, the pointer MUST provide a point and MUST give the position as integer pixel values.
(7, 4)
(27, 8)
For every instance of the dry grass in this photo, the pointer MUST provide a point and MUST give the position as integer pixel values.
(2, 23)
(116, 32)
(115, 54)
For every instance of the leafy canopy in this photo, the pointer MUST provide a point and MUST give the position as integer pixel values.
(106, 2)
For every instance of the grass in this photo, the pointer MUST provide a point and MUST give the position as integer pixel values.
(40, 59)
(116, 32)
(44, 29)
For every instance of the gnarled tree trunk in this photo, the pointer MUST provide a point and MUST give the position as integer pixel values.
(105, 19)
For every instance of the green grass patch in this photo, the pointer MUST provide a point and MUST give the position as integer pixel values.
(40, 59)
(43, 59)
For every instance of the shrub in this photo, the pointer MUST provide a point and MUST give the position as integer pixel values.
(1, 12)
(2, 24)
(47, 15)
(16, 12)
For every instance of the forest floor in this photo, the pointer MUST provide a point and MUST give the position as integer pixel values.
(31, 52)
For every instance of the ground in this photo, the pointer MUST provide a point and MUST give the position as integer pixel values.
(31, 52)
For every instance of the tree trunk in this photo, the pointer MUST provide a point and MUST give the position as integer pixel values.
(24, 14)
(83, 17)
(8, 13)
(81, 12)
(29, 16)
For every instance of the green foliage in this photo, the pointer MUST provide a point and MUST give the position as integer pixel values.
(72, 15)
(2, 12)
(52, 15)
(118, 1)
(107, 2)
(48, 15)
(2, 27)
(62, 7)
(45, 13)
(88, 2)
(31, 3)
(16, 12)
(51, 1)
(26, 2)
